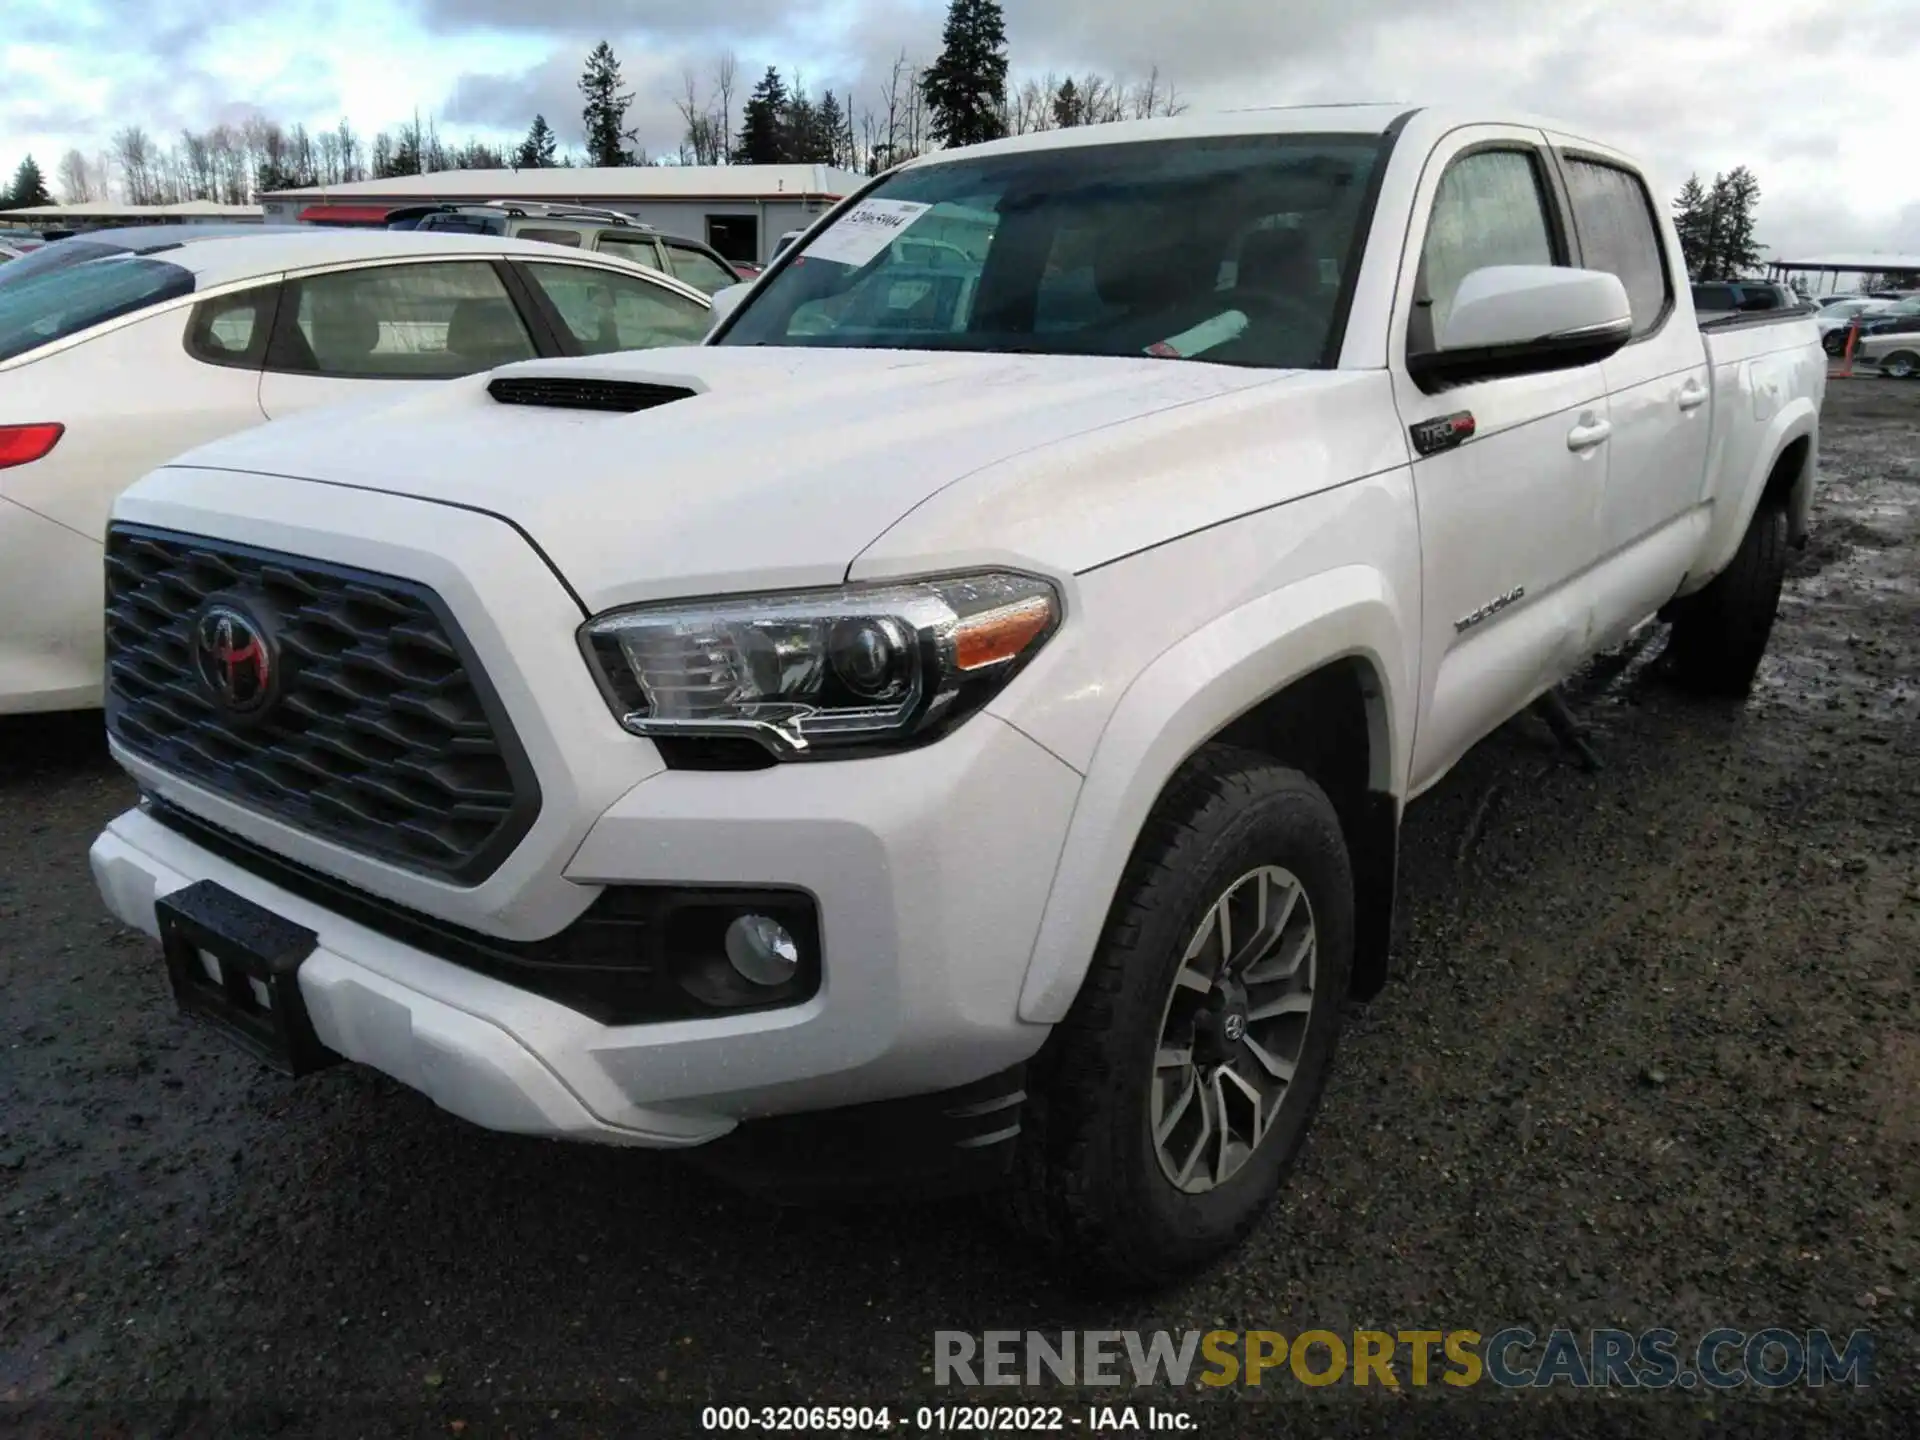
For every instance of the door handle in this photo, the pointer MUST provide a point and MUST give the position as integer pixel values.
(1588, 433)
(1692, 395)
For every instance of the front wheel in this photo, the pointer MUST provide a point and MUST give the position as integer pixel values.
(1901, 365)
(1169, 1104)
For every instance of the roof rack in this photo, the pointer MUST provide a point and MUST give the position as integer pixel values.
(535, 208)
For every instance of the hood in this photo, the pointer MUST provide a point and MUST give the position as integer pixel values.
(779, 468)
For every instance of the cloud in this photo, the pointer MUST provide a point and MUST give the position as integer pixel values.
(1808, 93)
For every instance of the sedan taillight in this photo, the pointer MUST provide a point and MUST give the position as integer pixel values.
(23, 444)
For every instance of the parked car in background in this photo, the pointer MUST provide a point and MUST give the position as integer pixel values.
(12, 247)
(1712, 297)
(1897, 354)
(1900, 317)
(120, 349)
(1837, 316)
(604, 232)
(940, 735)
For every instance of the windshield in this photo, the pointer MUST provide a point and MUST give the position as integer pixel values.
(1226, 250)
(50, 304)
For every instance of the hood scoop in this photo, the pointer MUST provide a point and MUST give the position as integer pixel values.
(572, 392)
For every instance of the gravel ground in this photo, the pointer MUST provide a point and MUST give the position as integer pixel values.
(1654, 1061)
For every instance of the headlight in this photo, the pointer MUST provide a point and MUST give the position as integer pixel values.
(822, 671)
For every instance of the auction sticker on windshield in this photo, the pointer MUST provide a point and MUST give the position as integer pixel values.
(865, 230)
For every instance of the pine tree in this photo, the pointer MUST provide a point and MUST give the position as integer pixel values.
(605, 113)
(29, 187)
(1739, 198)
(1069, 109)
(966, 88)
(763, 128)
(1690, 219)
(539, 150)
(836, 131)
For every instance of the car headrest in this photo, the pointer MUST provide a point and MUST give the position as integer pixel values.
(487, 332)
(1277, 262)
(343, 331)
(1146, 274)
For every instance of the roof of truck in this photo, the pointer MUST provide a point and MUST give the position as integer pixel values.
(1371, 118)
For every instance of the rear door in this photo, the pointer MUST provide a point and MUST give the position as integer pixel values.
(1651, 520)
(1508, 517)
(348, 334)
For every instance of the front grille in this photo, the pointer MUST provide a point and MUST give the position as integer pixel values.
(383, 735)
(561, 392)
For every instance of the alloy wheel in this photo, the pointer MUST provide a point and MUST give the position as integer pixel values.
(1234, 1029)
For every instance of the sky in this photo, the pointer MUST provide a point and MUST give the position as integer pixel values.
(1816, 96)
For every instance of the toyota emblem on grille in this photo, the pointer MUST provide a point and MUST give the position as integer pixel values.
(233, 658)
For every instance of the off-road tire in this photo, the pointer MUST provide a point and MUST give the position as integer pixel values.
(1087, 1183)
(1720, 633)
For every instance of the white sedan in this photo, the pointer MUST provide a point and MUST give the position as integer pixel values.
(121, 349)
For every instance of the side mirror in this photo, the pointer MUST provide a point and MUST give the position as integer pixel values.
(1526, 320)
(727, 300)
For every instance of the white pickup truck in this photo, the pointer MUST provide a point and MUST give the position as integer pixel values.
(954, 724)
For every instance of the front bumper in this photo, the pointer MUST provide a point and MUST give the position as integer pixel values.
(931, 870)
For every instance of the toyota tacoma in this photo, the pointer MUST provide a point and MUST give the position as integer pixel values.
(952, 725)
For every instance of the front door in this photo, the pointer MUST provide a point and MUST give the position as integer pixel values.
(1509, 515)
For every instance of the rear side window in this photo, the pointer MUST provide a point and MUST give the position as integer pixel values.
(464, 224)
(40, 307)
(1614, 217)
(624, 247)
(399, 322)
(604, 310)
(1491, 210)
(552, 237)
(697, 268)
(232, 329)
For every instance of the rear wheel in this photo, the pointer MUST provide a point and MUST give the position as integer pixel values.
(1167, 1107)
(1901, 365)
(1721, 632)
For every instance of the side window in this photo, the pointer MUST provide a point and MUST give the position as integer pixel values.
(232, 329)
(636, 248)
(697, 268)
(605, 310)
(1614, 216)
(399, 322)
(552, 237)
(1491, 210)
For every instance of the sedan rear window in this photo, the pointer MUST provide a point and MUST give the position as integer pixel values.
(38, 308)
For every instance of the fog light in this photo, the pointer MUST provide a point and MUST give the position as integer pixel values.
(762, 951)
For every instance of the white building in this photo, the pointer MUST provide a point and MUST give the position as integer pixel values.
(94, 214)
(740, 210)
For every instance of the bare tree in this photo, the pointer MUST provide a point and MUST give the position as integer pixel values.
(78, 182)
(1154, 98)
(1030, 105)
(703, 135)
(134, 154)
(901, 124)
(725, 76)
(232, 174)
